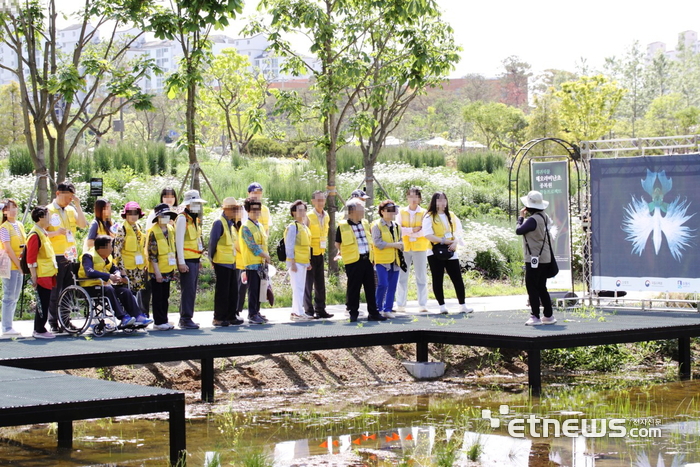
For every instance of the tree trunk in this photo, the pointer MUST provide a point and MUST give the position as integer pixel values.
(369, 179)
(190, 114)
(331, 169)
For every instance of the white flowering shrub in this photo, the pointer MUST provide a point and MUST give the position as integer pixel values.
(490, 249)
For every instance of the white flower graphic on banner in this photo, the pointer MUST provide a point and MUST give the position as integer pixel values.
(644, 219)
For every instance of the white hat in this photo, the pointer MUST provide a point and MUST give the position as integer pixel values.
(192, 196)
(534, 200)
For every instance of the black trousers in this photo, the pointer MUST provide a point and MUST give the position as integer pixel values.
(160, 294)
(121, 297)
(242, 292)
(536, 285)
(361, 275)
(253, 292)
(143, 297)
(64, 279)
(437, 271)
(315, 281)
(225, 293)
(42, 314)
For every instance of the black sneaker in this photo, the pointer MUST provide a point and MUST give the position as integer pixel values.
(188, 324)
(236, 322)
(376, 318)
(58, 330)
(324, 315)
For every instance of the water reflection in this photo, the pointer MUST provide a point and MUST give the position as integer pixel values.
(400, 429)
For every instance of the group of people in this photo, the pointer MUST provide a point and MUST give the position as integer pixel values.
(133, 265)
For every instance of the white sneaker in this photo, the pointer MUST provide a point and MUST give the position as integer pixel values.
(550, 320)
(533, 321)
(301, 317)
(162, 327)
(11, 333)
(463, 308)
(401, 309)
(423, 309)
(443, 309)
(43, 335)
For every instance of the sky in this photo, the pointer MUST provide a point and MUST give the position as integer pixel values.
(547, 33)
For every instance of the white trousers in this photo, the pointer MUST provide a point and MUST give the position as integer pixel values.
(419, 259)
(298, 280)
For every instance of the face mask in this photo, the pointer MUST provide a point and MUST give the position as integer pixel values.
(164, 220)
(195, 207)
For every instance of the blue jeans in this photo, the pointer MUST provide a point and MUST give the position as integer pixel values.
(387, 279)
(11, 288)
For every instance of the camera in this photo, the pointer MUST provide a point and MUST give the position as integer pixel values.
(534, 262)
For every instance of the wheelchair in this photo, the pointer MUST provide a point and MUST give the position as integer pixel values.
(78, 311)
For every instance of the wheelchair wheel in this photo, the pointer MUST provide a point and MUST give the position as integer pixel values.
(74, 309)
(98, 330)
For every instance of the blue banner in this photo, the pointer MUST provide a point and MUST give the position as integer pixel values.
(645, 224)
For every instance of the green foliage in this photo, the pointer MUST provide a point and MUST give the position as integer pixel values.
(587, 107)
(501, 126)
(20, 162)
(145, 158)
(266, 147)
(599, 358)
(349, 158)
(490, 264)
(480, 161)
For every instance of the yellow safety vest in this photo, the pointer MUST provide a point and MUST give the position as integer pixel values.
(193, 238)
(225, 247)
(439, 227)
(349, 249)
(133, 247)
(165, 246)
(420, 243)
(318, 232)
(17, 241)
(387, 255)
(302, 243)
(260, 238)
(99, 265)
(45, 258)
(239, 257)
(264, 218)
(62, 218)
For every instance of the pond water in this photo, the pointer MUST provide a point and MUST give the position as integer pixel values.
(612, 422)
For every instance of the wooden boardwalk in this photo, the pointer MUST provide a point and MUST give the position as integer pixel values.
(500, 329)
(28, 397)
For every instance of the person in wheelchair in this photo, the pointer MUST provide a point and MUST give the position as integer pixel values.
(97, 266)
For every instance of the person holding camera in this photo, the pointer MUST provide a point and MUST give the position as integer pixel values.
(533, 225)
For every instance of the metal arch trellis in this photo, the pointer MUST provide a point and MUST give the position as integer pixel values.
(629, 147)
(573, 156)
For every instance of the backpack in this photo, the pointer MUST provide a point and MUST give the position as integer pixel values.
(282, 248)
(23, 256)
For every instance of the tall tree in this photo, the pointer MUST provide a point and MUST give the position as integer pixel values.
(658, 76)
(544, 121)
(629, 72)
(587, 106)
(409, 58)
(10, 114)
(64, 93)
(336, 29)
(685, 74)
(514, 79)
(501, 126)
(235, 97)
(189, 23)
